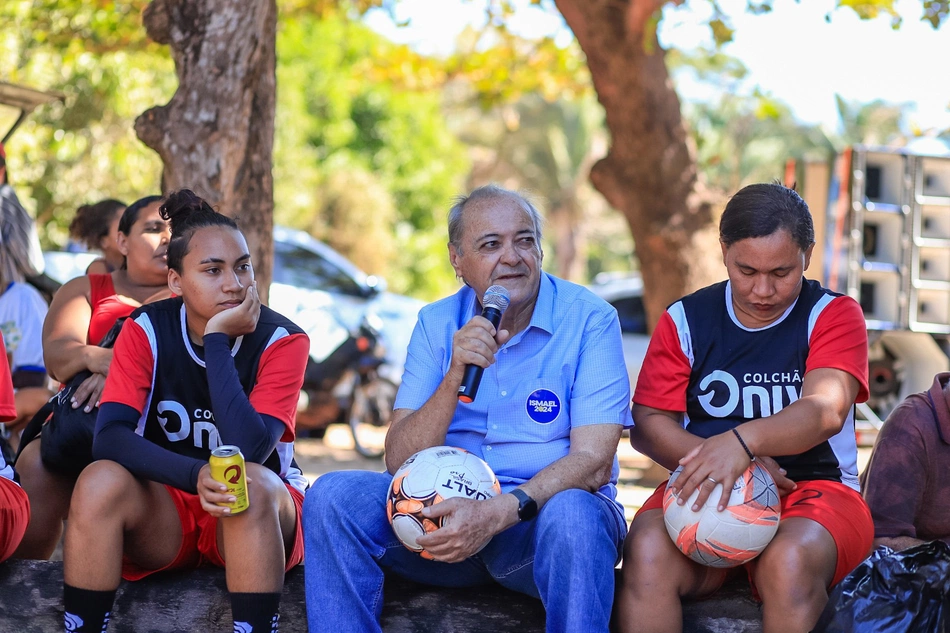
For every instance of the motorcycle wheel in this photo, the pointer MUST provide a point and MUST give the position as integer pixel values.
(370, 415)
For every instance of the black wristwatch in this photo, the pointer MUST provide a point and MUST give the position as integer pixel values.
(527, 507)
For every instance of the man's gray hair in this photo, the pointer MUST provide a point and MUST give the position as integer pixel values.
(487, 192)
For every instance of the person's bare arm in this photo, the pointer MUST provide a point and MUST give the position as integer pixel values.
(660, 435)
(818, 415)
(413, 430)
(65, 351)
(827, 397)
(28, 401)
(587, 466)
(408, 430)
(98, 267)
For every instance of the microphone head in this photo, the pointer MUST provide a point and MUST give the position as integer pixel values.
(496, 297)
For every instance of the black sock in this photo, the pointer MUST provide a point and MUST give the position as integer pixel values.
(255, 612)
(87, 611)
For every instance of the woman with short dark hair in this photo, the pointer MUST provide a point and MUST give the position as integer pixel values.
(763, 367)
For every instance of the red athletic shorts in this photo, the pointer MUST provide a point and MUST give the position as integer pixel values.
(199, 537)
(14, 516)
(836, 507)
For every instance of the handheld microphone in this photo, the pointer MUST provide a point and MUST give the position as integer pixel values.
(494, 304)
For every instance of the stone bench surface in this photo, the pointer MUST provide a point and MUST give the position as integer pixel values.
(196, 601)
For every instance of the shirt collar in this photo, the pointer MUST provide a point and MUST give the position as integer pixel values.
(731, 309)
(543, 307)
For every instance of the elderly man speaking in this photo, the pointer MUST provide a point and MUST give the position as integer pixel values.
(557, 530)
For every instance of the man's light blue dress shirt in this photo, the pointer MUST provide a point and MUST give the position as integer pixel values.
(565, 369)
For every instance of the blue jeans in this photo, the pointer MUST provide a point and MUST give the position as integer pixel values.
(565, 556)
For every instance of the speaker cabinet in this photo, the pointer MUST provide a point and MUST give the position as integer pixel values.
(930, 245)
(883, 180)
(932, 263)
(878, 251)
(936, 177)
(930, 310)
(876, 294)
(888, 240)
(934, 222)
(881, 239)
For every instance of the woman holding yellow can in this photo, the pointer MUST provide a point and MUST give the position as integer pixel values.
(208, 368)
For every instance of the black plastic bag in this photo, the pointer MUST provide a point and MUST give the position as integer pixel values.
(893, 592)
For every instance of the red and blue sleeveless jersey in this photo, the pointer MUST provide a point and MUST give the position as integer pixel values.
(704, 363)
(162, 374)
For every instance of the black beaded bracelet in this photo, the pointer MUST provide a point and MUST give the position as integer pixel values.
(744, 447)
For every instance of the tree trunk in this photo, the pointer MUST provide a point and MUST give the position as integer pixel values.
(569, 250)
(216, 135)
(649, 174)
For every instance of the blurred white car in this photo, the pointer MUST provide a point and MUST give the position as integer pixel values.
(624, 291)
(317, 288)
(327, 295)
(63, 266)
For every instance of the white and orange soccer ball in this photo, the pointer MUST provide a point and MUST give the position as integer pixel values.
(428, 477)
(731, 537)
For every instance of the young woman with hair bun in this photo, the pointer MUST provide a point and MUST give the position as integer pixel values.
(209, 367)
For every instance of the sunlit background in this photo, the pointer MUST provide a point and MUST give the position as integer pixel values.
(384, 116)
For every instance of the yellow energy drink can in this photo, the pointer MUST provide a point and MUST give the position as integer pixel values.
(227, 466)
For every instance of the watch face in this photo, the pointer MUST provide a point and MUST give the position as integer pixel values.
(527, 509)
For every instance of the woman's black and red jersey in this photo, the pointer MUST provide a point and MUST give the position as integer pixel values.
(704, 363)
(160, 373)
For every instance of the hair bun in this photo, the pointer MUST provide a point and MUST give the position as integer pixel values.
(184, 207)
(186, 213)
(180, 202)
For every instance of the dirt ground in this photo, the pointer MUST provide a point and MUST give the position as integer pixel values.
(638, 476)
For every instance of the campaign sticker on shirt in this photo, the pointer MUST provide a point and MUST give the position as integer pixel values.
(543, 406)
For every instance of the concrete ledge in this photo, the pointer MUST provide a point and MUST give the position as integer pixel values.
(185, 602)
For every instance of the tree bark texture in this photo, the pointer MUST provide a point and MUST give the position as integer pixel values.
(216, 135)
(649, 173)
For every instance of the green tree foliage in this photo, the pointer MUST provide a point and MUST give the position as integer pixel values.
(83, 149)
(874, 123)
(934, 12)
(742, 134)
(362, 151)
(341, 119)
(547, 147)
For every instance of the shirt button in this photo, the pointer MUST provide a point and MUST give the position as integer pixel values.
(494, 426)
(504, 351)
(504, 393)
(488, 448)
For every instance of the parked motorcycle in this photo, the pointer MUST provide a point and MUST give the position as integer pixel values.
(345, 385)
